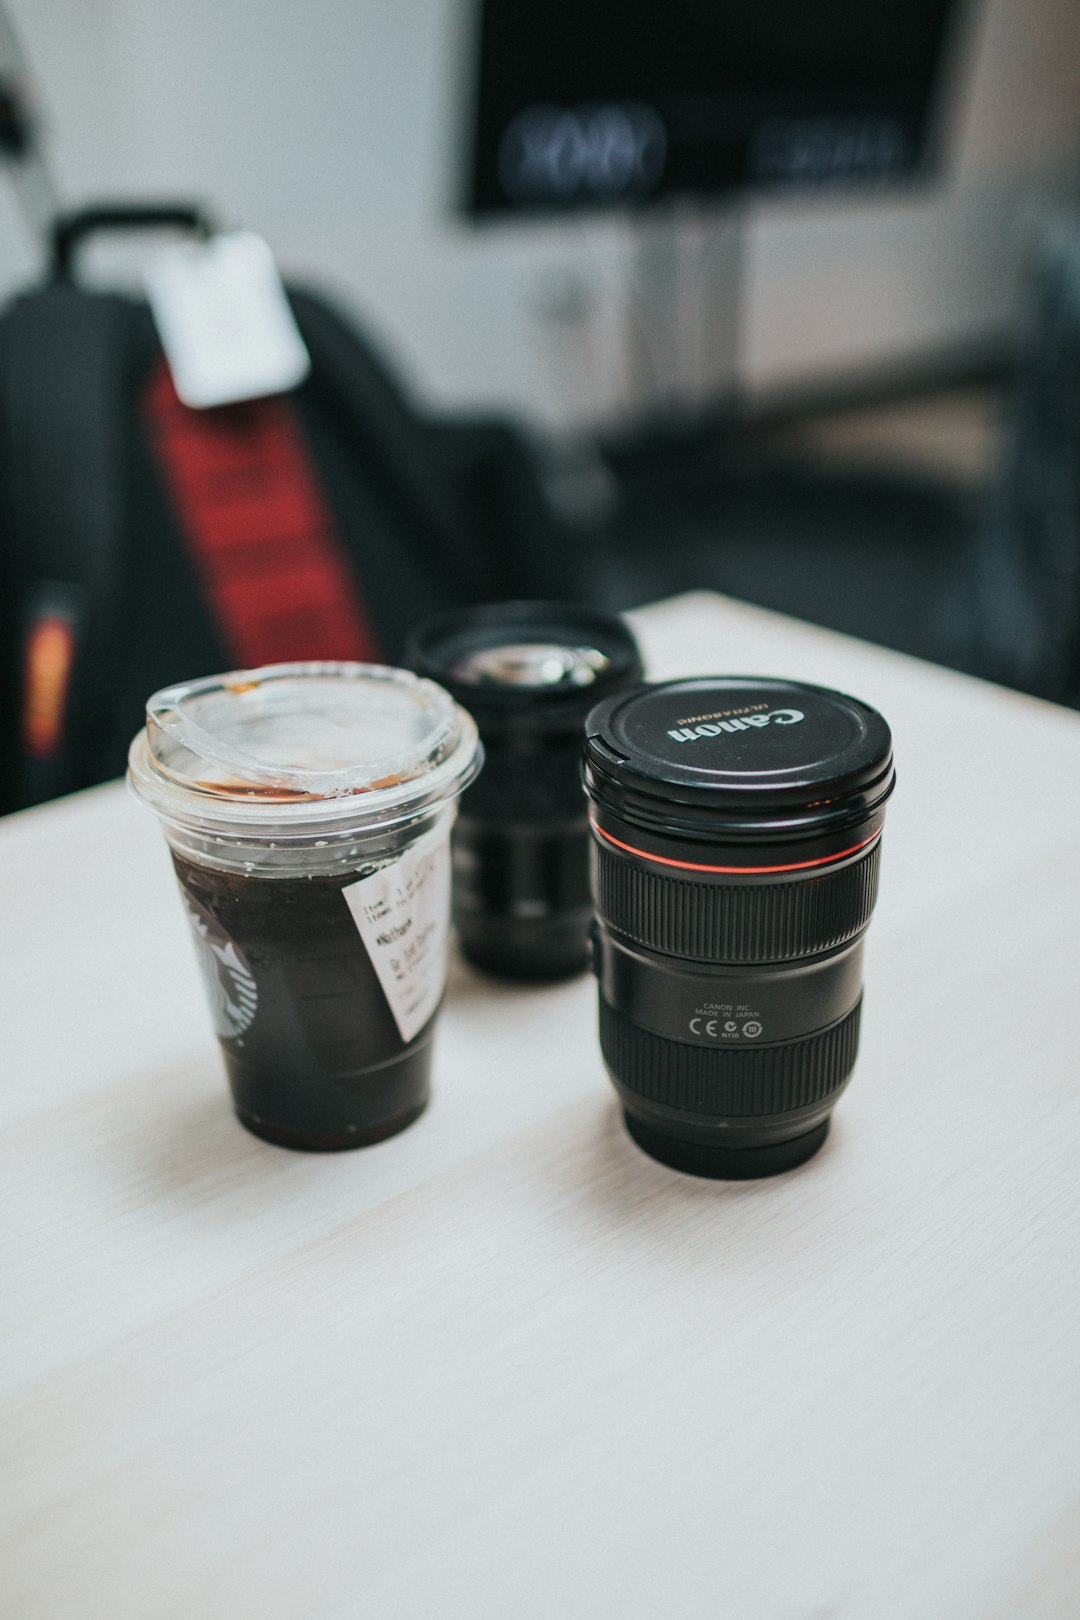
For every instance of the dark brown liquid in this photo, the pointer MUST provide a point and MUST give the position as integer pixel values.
(314, 1057)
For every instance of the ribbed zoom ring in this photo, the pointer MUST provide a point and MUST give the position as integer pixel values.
(735, 923)
(734, 1082)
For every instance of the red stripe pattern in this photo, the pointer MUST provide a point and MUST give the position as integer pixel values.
(272, 569)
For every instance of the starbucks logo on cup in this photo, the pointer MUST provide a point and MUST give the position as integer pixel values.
(230, 984)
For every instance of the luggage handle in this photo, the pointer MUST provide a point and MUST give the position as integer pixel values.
(70, 230)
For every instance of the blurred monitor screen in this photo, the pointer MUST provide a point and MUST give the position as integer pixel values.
(592, 103)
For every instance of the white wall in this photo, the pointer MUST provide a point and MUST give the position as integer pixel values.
(330, 127)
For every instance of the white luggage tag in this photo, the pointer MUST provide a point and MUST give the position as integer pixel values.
(224, 320)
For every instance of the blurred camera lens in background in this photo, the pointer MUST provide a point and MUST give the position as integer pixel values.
(528, 672)
(737, 833)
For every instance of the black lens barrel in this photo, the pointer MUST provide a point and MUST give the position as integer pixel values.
(528, 672)
(738, 921)
(781, 963)
(734, 872)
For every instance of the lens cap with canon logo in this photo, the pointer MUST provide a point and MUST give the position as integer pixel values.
(737, 756)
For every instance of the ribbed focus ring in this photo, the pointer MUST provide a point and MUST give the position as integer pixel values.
(734, 1082)
(736, 923)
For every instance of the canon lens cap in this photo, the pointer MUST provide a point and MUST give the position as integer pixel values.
(735, 747)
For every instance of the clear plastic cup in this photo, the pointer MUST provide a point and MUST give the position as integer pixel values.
(308, 810)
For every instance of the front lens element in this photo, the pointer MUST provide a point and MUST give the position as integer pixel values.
(538, 664)
(736, 846)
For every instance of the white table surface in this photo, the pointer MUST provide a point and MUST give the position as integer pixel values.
(505, 1365)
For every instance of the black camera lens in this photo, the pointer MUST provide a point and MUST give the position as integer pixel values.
(736, 844)
(528, 672)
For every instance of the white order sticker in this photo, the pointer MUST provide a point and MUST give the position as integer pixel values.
(402, 913)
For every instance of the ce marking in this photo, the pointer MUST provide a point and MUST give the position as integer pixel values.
(729, 1026)
(710, 1027)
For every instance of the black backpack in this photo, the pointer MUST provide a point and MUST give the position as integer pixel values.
(143, 543)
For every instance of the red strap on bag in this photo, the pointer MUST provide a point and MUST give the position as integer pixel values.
(262, 539)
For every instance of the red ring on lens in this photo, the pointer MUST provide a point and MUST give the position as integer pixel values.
(696, 866)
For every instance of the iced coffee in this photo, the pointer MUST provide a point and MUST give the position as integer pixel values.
(308, 810)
